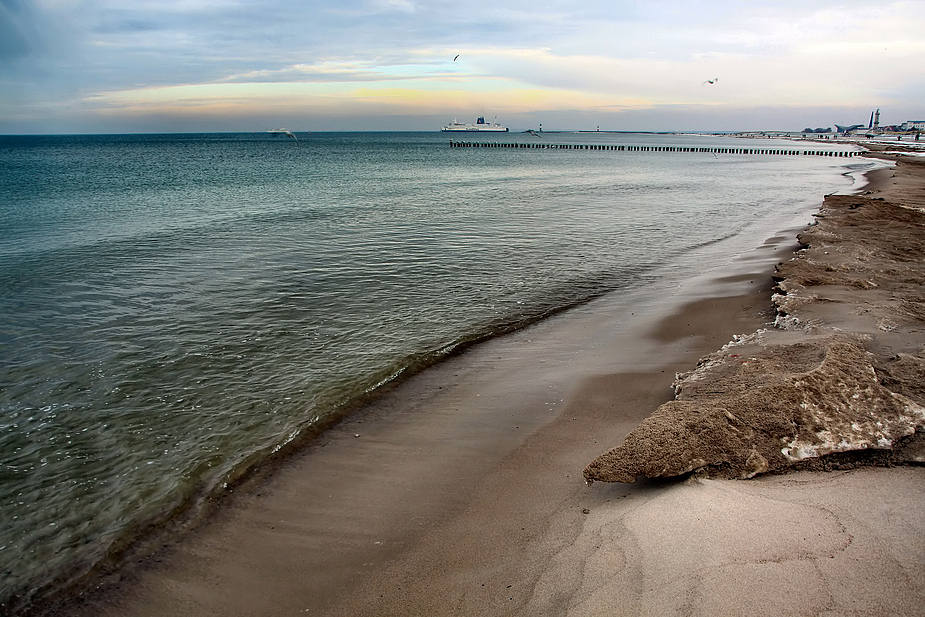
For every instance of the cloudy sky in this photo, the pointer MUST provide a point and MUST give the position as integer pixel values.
(78, 66)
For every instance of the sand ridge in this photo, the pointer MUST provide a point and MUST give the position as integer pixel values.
(841, 373)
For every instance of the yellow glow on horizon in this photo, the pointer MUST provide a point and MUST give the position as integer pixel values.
(338, 98)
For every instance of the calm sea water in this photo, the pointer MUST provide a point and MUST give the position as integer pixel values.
(176, 307)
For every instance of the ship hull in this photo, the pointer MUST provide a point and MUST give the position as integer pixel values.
(475, 129)
(479, 127)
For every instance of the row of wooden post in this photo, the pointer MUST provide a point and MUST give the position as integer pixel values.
(628, 148)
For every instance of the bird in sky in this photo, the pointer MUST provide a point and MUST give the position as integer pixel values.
(710, 81)
(454, 59)
(287, 133)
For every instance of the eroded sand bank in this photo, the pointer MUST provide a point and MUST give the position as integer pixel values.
(413, 508)
(838, 379)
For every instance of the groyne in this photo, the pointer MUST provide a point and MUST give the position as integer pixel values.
(632, 148)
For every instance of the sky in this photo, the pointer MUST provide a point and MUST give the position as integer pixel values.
(127, 66)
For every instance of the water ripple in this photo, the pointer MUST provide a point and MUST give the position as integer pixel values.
(174, 307)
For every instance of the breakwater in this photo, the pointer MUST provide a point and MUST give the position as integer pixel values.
(637, 148)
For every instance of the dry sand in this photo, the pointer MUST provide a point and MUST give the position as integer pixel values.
(461, 493)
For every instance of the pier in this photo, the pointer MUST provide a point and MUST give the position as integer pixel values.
(631, 148)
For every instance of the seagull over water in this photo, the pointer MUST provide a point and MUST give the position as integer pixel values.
(287, 133)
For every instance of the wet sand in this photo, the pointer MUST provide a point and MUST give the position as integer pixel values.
(461, 493)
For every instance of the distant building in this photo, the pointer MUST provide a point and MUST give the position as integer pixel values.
(912, 125)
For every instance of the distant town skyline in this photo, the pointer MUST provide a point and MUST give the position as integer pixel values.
(113, 66)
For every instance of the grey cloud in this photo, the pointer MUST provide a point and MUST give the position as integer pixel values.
(18, 37)
(126, 23)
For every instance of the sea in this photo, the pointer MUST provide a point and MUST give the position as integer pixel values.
(176, 309)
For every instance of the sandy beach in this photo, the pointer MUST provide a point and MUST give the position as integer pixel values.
(461, 492)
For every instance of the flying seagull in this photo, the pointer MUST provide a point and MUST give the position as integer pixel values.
(287, 133)
(710, 81)
(532, 132)
(454, 59)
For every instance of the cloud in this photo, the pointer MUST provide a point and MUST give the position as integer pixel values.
(18, 34)
(322, 72)
(173, 57)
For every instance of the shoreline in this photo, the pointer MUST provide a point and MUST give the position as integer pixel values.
(394, 471)
(451, 508)
(272, 386)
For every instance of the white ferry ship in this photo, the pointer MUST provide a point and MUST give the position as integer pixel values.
(480, 126)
